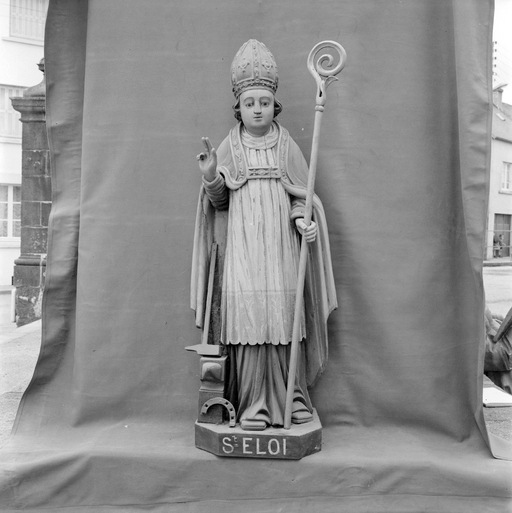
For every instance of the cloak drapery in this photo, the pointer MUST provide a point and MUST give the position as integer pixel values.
(320, 292)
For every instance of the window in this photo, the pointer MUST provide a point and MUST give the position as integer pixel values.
(10, 210)
(506, 176)
(28, 18)
(10, 124)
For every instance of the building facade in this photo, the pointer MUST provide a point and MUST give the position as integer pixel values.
(499, 220)
(21, 49)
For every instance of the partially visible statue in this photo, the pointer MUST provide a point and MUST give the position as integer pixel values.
(259, 175)
(498, 349)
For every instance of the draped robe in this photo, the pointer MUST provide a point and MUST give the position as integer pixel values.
(262, 181)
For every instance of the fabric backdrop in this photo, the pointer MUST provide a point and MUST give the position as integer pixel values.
(107, 421)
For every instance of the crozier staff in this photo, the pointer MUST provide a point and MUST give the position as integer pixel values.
(260, 175)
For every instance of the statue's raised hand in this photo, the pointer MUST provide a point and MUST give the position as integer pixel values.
(208, 160)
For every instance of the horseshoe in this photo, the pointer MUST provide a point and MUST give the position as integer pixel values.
(222, 402)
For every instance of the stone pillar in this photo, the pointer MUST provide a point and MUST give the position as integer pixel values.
(29, 268)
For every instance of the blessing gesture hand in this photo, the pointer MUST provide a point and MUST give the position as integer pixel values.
(208, 160)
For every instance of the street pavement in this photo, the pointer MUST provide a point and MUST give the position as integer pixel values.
(19, 350)
(498, 289)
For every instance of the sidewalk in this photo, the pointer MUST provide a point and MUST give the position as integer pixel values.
(19, 349)
(498, 262)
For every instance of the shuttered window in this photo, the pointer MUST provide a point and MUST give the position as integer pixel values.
(10, 211)
(506, 176)
(28, 18)
(10, 124)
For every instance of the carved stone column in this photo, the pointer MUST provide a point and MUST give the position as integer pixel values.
(29, 268)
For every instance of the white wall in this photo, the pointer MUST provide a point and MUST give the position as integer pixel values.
(500, 202)
(18, 67)
(8, 253)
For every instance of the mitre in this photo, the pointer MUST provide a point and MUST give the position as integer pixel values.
(253, 67)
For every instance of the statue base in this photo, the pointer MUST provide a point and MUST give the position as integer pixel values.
(273, 443)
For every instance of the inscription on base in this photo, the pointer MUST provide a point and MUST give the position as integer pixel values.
(254, 446)
(272, 443)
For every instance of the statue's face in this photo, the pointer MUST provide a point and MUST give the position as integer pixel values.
(257, 110)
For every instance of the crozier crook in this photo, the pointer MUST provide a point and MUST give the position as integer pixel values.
(323, 77)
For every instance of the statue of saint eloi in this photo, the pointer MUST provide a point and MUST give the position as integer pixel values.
(259, 175)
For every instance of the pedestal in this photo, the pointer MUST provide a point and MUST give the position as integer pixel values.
(30, 267)
(272, 443)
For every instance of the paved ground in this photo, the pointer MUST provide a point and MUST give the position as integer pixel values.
(19, 348)
(498, 288)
